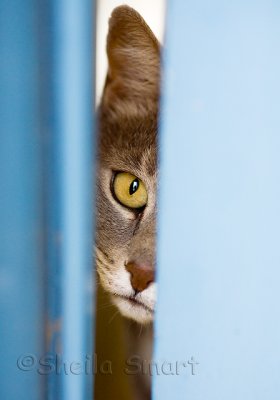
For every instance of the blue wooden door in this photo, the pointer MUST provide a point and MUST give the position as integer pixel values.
(219, 222)
(47, 148)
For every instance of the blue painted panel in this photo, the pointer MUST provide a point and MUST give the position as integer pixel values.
(73, 153)
(47, 148)
(219, 225)
(21, 234)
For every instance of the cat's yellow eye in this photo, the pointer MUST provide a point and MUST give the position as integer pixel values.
(130, 190)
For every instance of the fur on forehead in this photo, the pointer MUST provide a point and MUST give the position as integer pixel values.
(130, 150)
(128, 113)
(128, 132)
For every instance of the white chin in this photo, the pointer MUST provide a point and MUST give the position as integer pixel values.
(133, 310)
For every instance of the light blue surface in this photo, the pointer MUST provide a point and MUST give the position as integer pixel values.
(73, 173)
(21, 234)
(219, 225)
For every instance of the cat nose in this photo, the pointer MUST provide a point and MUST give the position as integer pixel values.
(141, 275)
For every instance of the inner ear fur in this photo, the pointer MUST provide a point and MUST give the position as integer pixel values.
(134, 59)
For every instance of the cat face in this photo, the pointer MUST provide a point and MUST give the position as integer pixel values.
(127, 166)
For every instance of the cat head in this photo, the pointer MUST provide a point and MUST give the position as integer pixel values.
(127, 166)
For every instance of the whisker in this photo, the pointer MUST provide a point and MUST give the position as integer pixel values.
(114, 315)
(104, 306)
(141, 328)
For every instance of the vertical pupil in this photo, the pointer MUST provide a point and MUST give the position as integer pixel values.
(134, 186)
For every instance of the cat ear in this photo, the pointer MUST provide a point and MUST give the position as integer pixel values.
(134, 59)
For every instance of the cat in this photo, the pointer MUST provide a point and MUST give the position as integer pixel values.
(127, 161)
(127, 172)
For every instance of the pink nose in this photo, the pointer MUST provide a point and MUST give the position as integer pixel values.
(141, 275)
